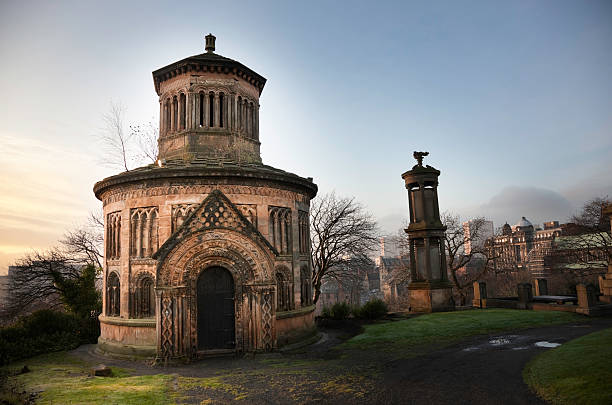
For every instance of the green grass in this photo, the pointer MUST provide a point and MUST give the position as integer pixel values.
(447, 327)
(62, 379)
(578, 372)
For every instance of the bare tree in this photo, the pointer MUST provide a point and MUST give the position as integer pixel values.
(477, 259)
(36, 280)
(117, 143)
(146, 136)
(48, 279)
(343, 234)
(587, 239)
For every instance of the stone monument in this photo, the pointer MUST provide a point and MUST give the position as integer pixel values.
(429, 288)
(208, 250)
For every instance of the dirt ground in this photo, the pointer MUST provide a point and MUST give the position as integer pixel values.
(479, 370)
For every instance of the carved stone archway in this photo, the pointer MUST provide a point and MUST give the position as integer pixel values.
(233, 244)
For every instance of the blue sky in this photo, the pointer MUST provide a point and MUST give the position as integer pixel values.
(511, 99)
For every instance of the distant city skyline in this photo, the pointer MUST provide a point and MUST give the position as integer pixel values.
(511, 99)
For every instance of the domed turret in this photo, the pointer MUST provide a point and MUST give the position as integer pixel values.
(506, 229)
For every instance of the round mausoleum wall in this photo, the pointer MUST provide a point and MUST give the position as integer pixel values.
(207, 251)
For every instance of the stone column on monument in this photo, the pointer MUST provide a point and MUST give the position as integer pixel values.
(206, 123)
(216, 110)
(161, 118)
(256, 136)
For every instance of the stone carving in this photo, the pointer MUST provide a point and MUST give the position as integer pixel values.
(126, 193)
(144, 239)
(142, 295)
(113, 294)
(180, 212)
(279, 222)
(304, 232)
(284, 289)
(249, 211)
(267, 310)
(113, 235)
(166, 327)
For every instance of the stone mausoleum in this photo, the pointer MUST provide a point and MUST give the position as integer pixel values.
(207, 251)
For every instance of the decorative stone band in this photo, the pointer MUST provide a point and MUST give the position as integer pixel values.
(113, 320)
(202, 180)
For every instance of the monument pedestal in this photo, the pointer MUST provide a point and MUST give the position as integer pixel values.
(426, 297)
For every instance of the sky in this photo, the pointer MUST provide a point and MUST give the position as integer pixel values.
(511, 99)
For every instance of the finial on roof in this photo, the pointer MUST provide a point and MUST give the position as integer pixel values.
(210, 43)
(419, 157)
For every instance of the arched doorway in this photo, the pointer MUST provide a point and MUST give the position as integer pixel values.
(215, 295)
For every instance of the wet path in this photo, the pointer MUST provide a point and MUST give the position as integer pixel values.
(481, 371)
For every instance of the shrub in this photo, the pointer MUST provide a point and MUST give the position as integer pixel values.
(45, 331)
(340, 310)
(373, 309)
(326, 312)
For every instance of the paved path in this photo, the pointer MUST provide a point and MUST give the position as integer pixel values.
(478, 371)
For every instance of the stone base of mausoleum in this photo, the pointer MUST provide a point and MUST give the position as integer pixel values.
(296, 325)
(127, 338)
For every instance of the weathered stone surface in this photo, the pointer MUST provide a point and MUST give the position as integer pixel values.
(101, 371)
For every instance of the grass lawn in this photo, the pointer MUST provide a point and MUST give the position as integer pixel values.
(447, 327)
(63, 379)
(577, 372)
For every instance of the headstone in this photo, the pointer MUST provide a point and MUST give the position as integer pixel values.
(101, 371)
(586, 296)
(525, 295)
(480, 294)
(541, 287)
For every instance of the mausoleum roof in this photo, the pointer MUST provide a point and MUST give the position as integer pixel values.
(208, 62)
(203, 167)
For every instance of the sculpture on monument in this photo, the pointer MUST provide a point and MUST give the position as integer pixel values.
(429, 288)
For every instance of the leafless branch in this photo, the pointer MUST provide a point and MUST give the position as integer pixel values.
(116, 142)
(343, 235)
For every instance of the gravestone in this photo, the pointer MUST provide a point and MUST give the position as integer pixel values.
(480, 294)
(541, 286)
(525, 295)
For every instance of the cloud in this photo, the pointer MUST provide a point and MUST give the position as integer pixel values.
(536, 204)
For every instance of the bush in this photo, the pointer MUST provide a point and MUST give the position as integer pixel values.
(373, 309)
(45, 331)
(340, 310)
(326, 312)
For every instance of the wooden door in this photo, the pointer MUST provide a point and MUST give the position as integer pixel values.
(215, 294)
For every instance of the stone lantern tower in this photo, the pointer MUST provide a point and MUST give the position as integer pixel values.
(429, 289)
